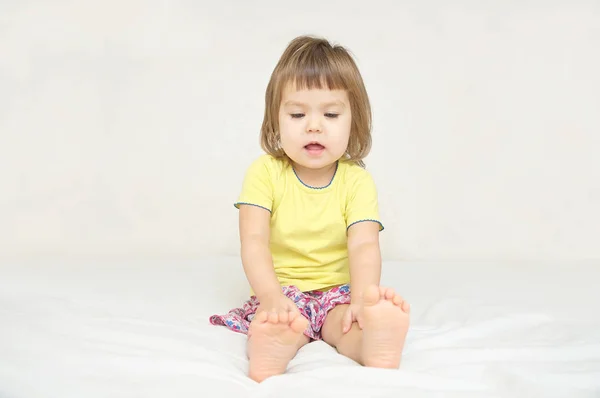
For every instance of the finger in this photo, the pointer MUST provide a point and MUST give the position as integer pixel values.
(359, 320)
(347, 321)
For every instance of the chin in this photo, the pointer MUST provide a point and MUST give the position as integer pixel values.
(316, 163)
(312, 162)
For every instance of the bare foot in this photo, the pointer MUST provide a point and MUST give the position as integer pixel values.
(274, 339)
(385, 324)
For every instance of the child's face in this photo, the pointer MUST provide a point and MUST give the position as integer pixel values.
(314, 125)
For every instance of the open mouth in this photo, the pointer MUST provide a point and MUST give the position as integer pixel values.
(314, 147)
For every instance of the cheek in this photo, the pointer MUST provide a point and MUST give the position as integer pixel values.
(286, 133)
(284, 127)
(344, 128)
(348, 125)
(345, 136)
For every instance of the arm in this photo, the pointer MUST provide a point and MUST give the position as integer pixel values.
(256, 255)
(364, 257)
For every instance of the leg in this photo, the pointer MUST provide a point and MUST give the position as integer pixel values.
(348, 344)
(385, 324)
(273, 340)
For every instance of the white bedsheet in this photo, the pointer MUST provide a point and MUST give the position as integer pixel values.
(76, 328)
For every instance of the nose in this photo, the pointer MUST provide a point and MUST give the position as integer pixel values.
(314, 125)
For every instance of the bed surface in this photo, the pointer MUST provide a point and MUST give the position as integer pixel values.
(139, 328)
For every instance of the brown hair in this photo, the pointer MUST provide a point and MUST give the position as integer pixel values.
(310, 62)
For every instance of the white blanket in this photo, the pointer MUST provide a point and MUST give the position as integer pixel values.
(76, 328)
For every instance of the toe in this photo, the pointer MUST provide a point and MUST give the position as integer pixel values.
(261, 317)
(389, 294)
(292, 315)
(371, 295)
(398, 300)
(405, 307)
(273, 316)
(283, 317)
(299, 324)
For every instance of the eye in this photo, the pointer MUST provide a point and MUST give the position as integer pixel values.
(331, 115)
(297, 115)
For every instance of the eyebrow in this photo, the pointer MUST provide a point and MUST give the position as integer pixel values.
(326, 104)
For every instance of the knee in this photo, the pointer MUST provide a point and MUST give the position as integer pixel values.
(331, 331)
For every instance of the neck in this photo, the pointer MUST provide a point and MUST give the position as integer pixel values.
(315, 177)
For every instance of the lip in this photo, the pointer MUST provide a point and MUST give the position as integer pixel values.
(315, 151)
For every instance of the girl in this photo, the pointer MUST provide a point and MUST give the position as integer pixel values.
(309, 221)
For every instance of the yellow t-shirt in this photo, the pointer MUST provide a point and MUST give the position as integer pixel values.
(309, 224)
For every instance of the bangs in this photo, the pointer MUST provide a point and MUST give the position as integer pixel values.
(320, 68)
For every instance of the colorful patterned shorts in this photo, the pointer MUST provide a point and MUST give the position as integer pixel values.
(313, 305)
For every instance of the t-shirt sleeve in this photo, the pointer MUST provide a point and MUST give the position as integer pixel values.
(257, 187)
(362, 202)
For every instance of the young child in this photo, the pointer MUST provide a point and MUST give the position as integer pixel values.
(309, 221)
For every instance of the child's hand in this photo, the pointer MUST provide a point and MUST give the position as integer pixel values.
(353, 313)
(277, 303)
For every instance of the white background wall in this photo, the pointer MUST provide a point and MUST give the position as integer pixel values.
(126, 126)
